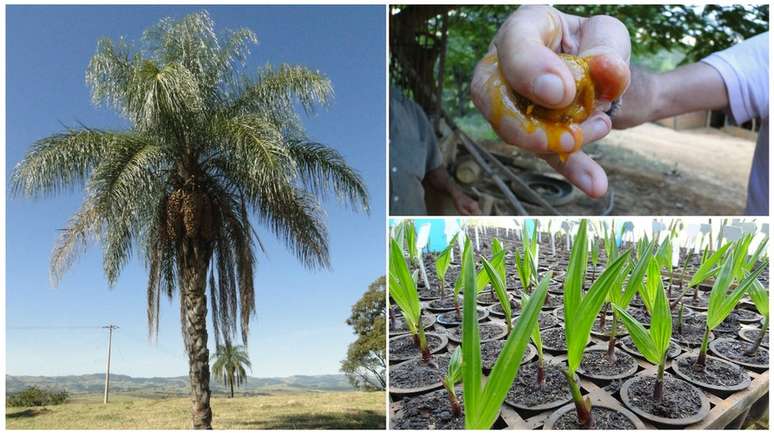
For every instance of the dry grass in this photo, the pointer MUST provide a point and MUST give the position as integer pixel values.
(280, 410)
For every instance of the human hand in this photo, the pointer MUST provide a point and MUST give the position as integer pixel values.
(465, 205)
(524, 58)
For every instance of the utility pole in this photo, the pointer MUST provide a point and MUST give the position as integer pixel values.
(110, 329)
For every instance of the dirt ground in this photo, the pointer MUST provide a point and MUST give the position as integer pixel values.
(654, 170)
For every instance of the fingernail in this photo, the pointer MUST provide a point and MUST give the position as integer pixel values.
(583, 182)
(549, 88)
(567, 142)
(598, 128)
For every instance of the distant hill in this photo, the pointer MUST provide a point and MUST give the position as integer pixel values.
(94, 383)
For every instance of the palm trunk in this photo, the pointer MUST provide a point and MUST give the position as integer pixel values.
(232, 389)
(193, 271)
(754, 347)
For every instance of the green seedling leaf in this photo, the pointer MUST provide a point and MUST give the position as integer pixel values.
(471, 340)
(760, 297)
(403, 288)
(708, 266)
(721, 302)
(482, 412)
(499, 288)
(444, 259)
(454, 370)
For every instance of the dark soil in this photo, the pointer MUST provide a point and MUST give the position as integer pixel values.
(553, 301)
(608, 327)
(546, 320)
(526, 393)
(700, 302)
(627, 343)
(602, 418)
(429, 293)
(487, 297)
(403, 348)
(491, 350)
(640, 314)
(751, 335)
(429, 411)
(735, 350)
(487, 332)
(692, 331)
(450, 318)
(497, 310)
(554, 340)
(746, 316)
(595, 363)
(716, 372)
(416, 373)
(730, 324)
(681, 399)
(445, 304)
(399, 326)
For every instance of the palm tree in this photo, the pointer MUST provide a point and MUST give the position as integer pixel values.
(229, 363)
(209, 149)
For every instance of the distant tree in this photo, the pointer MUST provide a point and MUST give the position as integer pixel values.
(229, 364)
(36, 396)
(366, 356)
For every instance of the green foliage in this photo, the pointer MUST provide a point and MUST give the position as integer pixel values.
(581, 309)
(708, 266)
(453, 372)
(35, 396)
(496, 280)
(721, 301)
(537, 339)
(444, 259)
(482, 403)
(366, 356)
(622, 295)
(230, 364)
(653, 344)
(526, 258)
(760, 297)
(482, 278)
(403, 291)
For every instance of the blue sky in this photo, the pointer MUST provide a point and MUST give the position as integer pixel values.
(299, 323)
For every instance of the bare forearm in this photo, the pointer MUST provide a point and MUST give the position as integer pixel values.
(654, 96)
(439, 179)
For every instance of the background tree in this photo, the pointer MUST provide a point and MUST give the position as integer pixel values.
(209, 148)
(366, 356)
(229, 364)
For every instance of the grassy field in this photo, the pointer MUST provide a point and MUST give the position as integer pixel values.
(308, 410)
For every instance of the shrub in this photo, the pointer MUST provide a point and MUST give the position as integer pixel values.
(35, 396)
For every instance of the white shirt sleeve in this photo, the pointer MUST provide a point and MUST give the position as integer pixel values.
(745, 71)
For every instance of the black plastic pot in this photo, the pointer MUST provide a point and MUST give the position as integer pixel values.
(570, 408)
(761, 351)
(690, 358)
(440, 341)
(627, 399)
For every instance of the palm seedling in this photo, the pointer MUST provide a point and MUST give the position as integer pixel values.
(526, 259)
(482, 277)
(722, 302)
(403, 291)
(760, 297)
(621, 295)
(452, 378)
(653, 344)
(664, 256)
(442, 264)
(538, 340)
(580, 310)
(483, 401)
(497, 281)
(707, 269)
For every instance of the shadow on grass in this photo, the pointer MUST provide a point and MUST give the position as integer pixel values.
(27, 413)
(360, 419)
